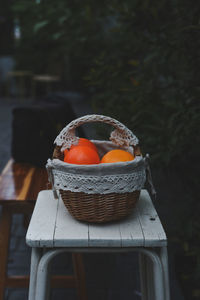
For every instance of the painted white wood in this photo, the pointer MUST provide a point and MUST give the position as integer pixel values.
(164, 260)
(154, 235)
(124, 233)
(68, 231)
(35, 258)
(159, 288)
(43, 273)
(155, 271)
(41, 228)
(104, 235)
(52, 226)
(131, 231)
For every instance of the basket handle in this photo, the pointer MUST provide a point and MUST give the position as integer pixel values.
(121, 136)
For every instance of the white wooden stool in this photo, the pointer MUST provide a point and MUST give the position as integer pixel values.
(52, 228)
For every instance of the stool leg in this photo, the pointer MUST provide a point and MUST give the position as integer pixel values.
(151, 290)
(80, 275)
(146, 278)
(5, 225)
(43, 273)
(158, 280)
(143, 276)
(155, 270)
(35, 258)
(42, 288)
(164, 260)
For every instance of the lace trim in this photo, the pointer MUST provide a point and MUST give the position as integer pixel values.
(122, 183)
(121, 136)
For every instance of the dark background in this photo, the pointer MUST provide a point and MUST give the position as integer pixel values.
(137, 61)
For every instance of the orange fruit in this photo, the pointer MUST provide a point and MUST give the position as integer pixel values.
(83, 142)
(65, 151)
(116, 155)
(82, 155)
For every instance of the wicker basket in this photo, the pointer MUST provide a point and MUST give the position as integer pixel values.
(94, 206)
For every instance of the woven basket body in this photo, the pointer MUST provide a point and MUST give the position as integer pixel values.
(97, 193)
(97, 208)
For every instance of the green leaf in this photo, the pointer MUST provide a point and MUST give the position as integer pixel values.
(57, 35)
(62, 19)
(39, 25)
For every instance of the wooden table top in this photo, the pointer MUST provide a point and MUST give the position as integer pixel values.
(46, 78)
(52, 226)
(21, 182)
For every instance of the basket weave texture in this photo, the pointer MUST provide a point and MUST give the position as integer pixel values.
(95, 207)
(99, 208)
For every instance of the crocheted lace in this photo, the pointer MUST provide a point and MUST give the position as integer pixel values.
(103, 178)
(121, 136)
(97, 184)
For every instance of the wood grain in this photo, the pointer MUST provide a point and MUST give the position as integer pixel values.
(64, 281)
(5, 225)
(52, 224)
(154, 234)
(26, 185)
(21, 182)
(79, 271)
(42, 225)
(70, 230)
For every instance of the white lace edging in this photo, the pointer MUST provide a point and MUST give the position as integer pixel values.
(104, 184)
(121, 177)
(121, 136)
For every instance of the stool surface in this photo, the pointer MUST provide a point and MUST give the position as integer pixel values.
(52, 226)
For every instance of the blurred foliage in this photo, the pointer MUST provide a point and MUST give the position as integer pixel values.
(140, 62)
(59, 37)
(139, 59)
(147, 76)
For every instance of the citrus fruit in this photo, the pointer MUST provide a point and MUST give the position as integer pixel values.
(65, 152)
(82, 142)
(82, 155)
(116, 155)
(85, 142)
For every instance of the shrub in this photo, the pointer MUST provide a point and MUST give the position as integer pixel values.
(147, 76)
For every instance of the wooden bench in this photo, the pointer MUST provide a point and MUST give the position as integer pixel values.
(20, 184)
